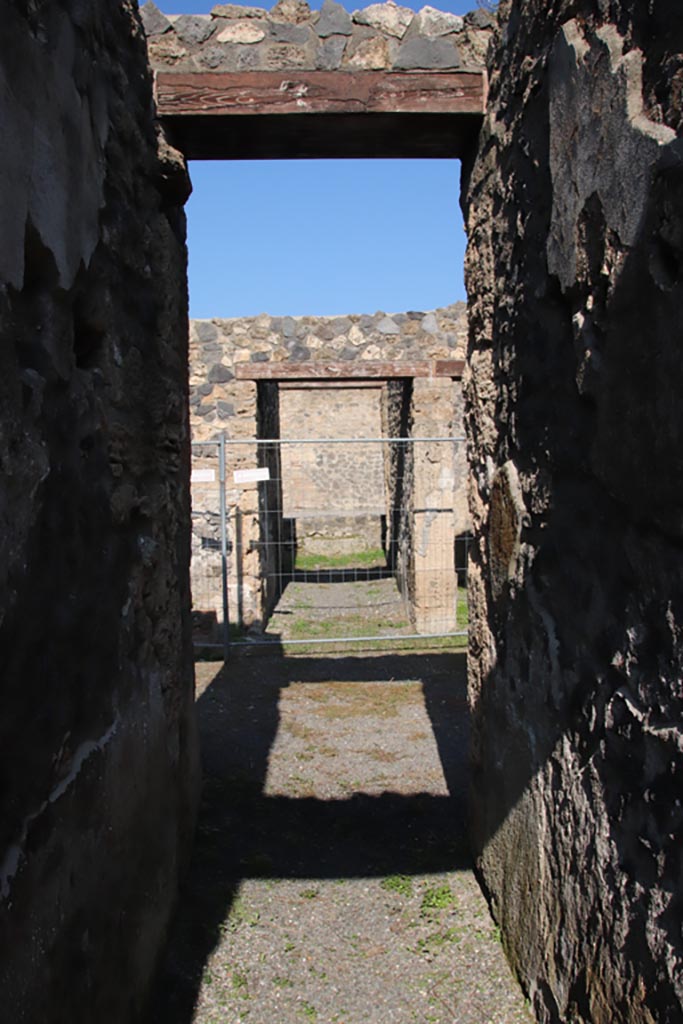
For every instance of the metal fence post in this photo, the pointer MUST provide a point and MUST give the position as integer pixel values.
(224, 546)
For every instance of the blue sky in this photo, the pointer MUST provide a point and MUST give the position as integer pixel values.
(323, 237)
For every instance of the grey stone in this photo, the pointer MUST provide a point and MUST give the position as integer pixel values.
(153, 21)
(330, 53)
(194, 29)
(334, 20)
(283, 32)
(249, 58)
(366, 322)
(299, 354)
(429, 324)
(217, 56)
(387, 326)
(340, 326)
(288, 327)
(348, 353)
(219, 374)
(225, 408)
(259, 357)
(204, 389)
(480, 19)
(205, 331)
(425, 52)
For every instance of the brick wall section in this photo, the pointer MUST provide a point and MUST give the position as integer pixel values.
(574, 421)
(383, 36)
(97, 750)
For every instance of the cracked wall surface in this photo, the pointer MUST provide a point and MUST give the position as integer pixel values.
(97, 747)
(575, 278)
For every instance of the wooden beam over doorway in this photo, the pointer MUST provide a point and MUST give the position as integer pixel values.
(360, 370)
(311, 114)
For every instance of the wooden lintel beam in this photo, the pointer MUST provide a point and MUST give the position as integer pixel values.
(449, 368)
(215, 93)
(332, 371)
(319, 114)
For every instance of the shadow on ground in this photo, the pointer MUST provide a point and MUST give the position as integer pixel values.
(243, 833)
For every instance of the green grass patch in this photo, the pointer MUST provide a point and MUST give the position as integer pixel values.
(462, 617)
(371, 558)
(437, 898)
(431, 944)
(401, 884)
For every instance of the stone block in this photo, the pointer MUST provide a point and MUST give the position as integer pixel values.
(194, 29)
(387, 17)
(245, 32)
(330, 53)
(425, 53)
(153, 21)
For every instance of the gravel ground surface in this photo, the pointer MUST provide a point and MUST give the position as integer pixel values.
(349, 608)
(331, 881)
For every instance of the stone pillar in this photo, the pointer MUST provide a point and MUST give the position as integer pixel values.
(434, 581)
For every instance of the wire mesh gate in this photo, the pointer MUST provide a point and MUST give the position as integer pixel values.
(329, 541)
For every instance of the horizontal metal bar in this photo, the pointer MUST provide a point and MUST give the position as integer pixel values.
(335, 440)
(335, 640)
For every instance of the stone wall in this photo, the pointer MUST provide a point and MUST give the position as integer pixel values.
(574, 205)
(97, 742)
(335, 492)
(221, 402)
(292, 37)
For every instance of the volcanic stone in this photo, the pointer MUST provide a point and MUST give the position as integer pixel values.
(153, 21)
(219, 374)
(205, 331)
(388, 326)
(330, 53)
(282, 32)
(194, 28)
(424, 52)
(334, 20)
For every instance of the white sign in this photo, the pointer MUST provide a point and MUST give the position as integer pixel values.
(250, 476)
(202, 476)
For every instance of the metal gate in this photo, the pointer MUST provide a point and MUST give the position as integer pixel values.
(329, 541)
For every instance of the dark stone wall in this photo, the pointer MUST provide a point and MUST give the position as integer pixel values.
(97, 744)
(575, 276)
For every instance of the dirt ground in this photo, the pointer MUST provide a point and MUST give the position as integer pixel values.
(331, 880)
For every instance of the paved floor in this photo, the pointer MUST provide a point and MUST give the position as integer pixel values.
(331, 881)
